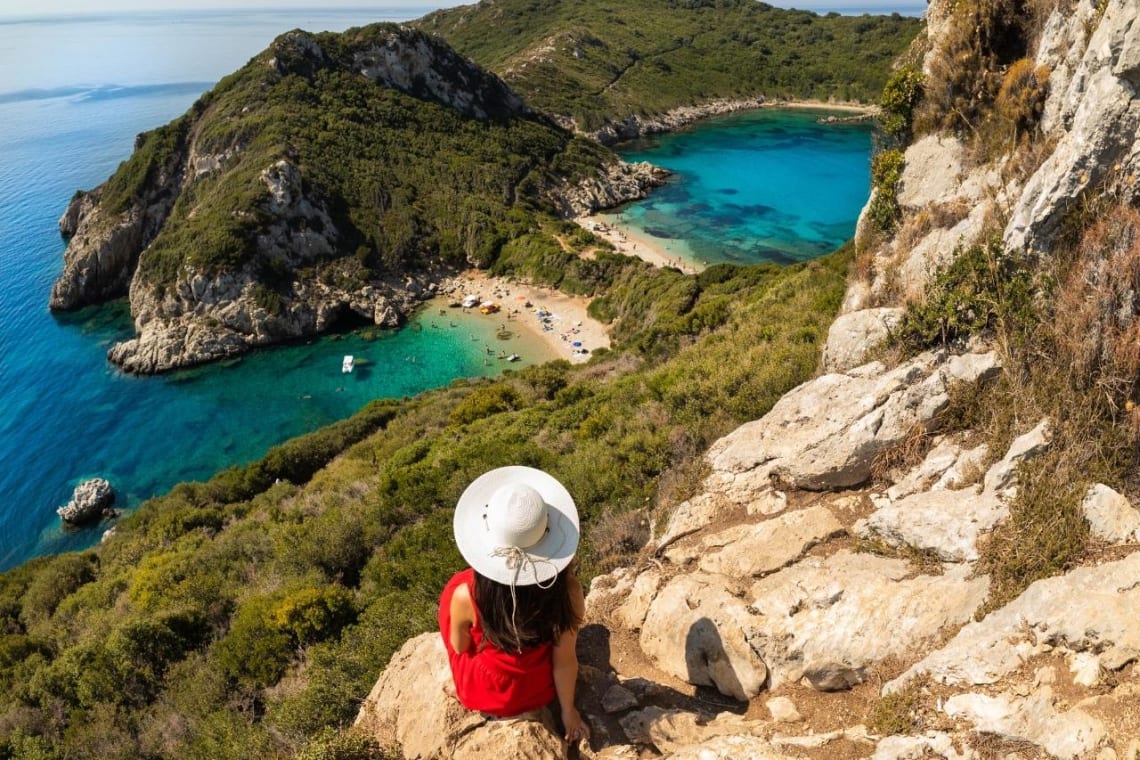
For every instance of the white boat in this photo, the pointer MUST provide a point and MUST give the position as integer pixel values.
(513, 358)
(470, 302)
(348, 364)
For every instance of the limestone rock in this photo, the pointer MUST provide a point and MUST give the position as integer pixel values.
(90, 500)
(509, 738)
(947, 524)
(413, 707)
(1090, 609)
(413, 703)
(1110, 515)
(918, 747)
(941, 457)
(621, 182)
(1098, 116)
(756, 549)
(1066, 734)
(1001, 477)
(618, 699)
(783, 710)
(852, 335)
(829, 619)
(826, 433)
(932, 171)
(695, 630)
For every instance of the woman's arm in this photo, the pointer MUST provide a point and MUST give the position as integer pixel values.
(462, 618)
(566, 669)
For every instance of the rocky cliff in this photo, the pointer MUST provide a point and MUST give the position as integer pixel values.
(825, 593)
(334, 178)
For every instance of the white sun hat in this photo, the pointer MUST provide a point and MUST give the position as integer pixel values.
(517, 526)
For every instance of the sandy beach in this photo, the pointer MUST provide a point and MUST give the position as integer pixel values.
(632, 242)
(565, 324)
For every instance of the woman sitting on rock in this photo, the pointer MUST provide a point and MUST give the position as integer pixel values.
(510, 621)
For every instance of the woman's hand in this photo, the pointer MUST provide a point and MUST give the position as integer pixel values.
(576, 729)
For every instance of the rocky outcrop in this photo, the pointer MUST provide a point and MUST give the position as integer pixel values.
(203, 317)
(91, 500)
(411, 62)
(104, 244)
(1093, 112)
(413, 706)
(636, 125)
(620, 183)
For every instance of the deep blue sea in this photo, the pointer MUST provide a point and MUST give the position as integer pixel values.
(74, 91)
(73, 94)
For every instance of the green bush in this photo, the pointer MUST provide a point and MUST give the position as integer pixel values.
(984, 288)
(901, 95)
(341, 745)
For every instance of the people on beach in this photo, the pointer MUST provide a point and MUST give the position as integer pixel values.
(510, 621)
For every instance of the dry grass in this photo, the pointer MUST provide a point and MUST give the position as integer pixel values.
(617, 540)
(900, 712)
(889, 464)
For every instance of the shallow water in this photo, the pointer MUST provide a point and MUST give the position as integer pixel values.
(768, 185)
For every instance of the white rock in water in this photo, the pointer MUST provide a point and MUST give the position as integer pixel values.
(90, 500)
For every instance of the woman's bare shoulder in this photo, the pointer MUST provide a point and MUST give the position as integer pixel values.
(462, 607)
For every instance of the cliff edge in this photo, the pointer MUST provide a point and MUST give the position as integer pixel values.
(842, 584)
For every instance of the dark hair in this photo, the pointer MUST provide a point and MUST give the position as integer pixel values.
(541, 615)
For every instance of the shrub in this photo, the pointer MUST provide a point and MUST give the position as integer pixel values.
(886, 173)
(984, 288)
(901, 95)
(484, 402)
(341, 745)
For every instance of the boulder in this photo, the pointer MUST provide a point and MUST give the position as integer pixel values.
(823, 620)
(852, 335)
(1066, 734)
(946, 524)
(91, 500)
(828, 620)
(695, 630)
(826, 433)
(1110, 515)
(413, 707)
(1090, 609)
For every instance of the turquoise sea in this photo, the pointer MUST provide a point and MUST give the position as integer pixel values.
(74, 91)
(768, 185)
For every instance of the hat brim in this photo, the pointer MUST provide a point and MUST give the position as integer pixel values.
(553, 552)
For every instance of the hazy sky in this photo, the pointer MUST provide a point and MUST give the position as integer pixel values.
(53, 7)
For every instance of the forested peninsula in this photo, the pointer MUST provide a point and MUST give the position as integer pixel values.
(339, 178)
(249, 616)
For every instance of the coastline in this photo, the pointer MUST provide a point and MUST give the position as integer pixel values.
(632, 127)
(567, 322)
(631, 241)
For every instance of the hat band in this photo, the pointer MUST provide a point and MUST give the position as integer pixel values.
(516, 559)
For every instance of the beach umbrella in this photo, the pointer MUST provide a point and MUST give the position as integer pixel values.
(576, 343)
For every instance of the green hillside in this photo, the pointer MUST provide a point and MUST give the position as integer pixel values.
(596, 61)
(393, 175)
(240, 617)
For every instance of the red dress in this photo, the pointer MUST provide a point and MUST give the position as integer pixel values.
(491, 680)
